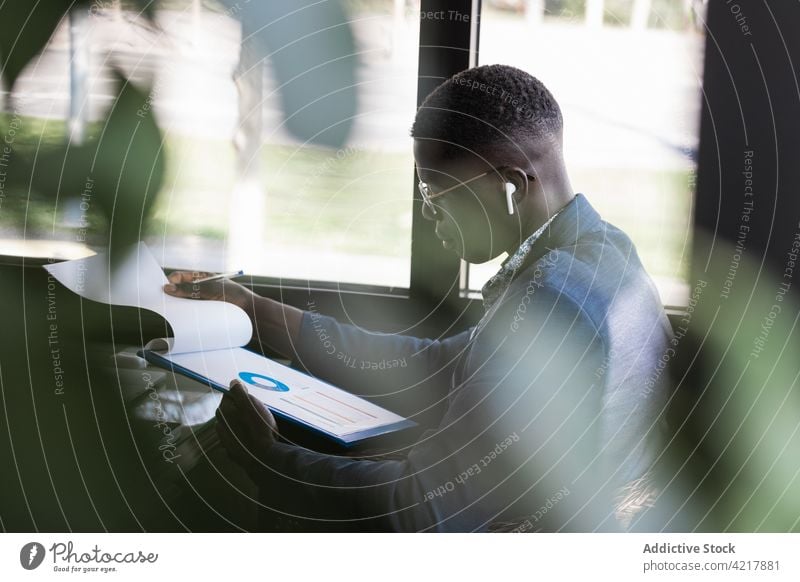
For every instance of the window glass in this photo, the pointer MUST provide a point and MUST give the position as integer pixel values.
(627, 76)
(277, 205)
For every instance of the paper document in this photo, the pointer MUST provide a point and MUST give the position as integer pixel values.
(207, 346)
(137, 281)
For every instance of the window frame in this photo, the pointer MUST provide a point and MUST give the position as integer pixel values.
(437, 301)
(434, 303)
(439, 280)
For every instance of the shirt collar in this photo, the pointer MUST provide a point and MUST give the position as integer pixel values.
(498, 284)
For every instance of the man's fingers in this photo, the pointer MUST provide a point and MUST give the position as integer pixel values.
(228, 412)
(237, 390)
(223, 431)
(177, 280)
(252, 409)
(177, 290)
(229, 429)
(228, 441)
(249, 421)
(177, 277)
(244, 425)
(236, 448)
(181, 283)
(246, 404)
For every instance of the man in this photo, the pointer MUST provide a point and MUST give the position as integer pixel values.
(543, 423)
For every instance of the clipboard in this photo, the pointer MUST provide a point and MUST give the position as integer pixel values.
(208, 346)
(289, 394)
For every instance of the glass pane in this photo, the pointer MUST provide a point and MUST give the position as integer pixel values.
(276, 206)
(630, 93)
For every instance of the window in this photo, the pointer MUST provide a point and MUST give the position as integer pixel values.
(306, 212)
(241, 190)
(630, 92)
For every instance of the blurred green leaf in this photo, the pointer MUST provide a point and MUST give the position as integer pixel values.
(119, 171)
(146, 8)
(311, 49)
(129, 166)
(25, 28)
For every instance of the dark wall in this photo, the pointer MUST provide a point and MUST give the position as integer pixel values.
(732, 445)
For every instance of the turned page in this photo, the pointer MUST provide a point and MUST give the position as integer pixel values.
(137, 281)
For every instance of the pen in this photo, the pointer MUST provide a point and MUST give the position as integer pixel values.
(230, 275)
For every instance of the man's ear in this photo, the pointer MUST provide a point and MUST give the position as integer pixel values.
(520, 181)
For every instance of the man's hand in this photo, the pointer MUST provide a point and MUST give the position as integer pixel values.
(181, 284)
(277, 325)
(246, 428)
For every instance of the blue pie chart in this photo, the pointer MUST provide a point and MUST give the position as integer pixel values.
(265, 382)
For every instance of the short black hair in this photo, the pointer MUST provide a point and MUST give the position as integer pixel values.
(488, 106)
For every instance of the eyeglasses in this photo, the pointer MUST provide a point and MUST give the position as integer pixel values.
(428, 195)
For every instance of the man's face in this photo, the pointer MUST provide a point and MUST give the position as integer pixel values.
(472, 219)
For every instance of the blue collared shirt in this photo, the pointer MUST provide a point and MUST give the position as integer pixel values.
(500, 281)
(538, 415)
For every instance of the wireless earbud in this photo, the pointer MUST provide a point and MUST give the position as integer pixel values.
(510, 189)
